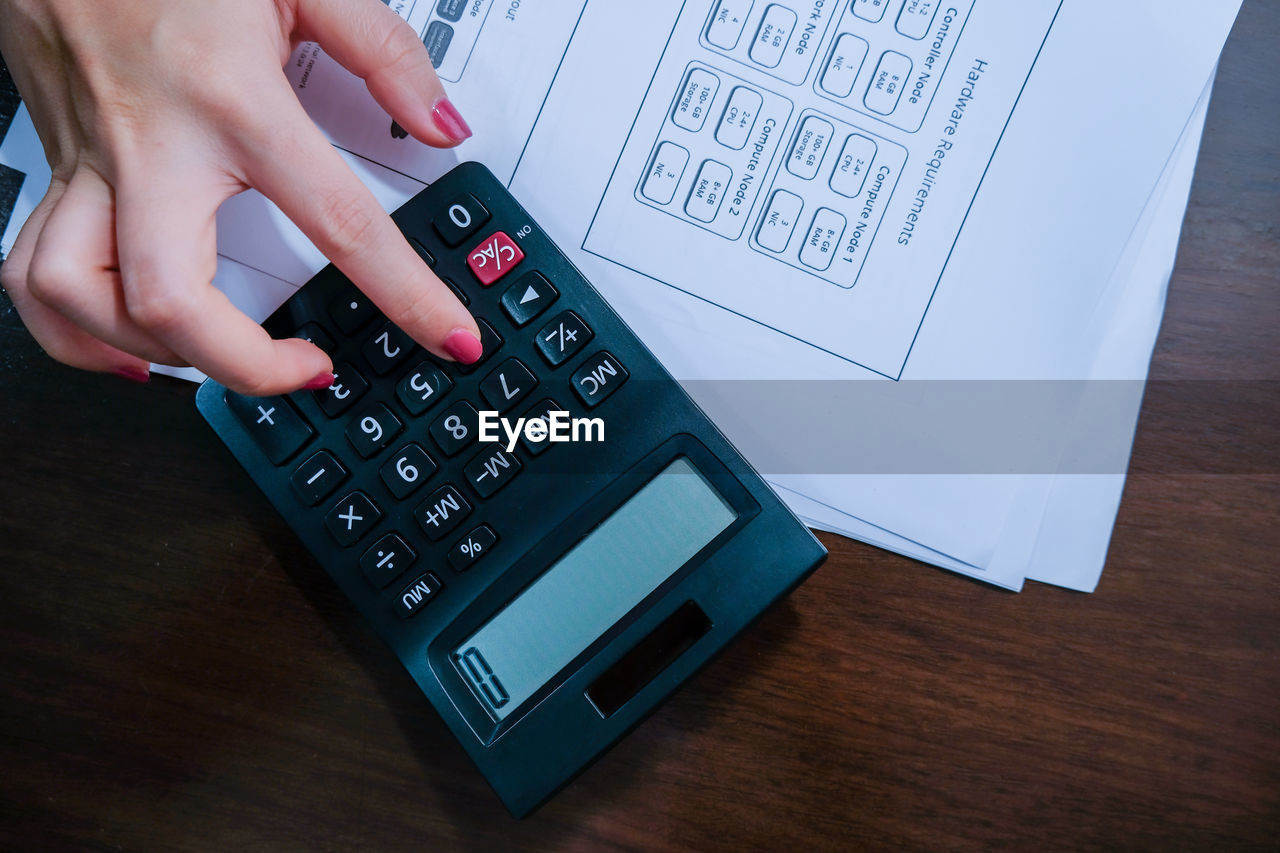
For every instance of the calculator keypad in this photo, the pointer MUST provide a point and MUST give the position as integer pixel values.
(347, 388)
(408, 480)
(454, 430)
(273, 423)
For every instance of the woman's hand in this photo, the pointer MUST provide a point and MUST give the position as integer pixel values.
(152, 112)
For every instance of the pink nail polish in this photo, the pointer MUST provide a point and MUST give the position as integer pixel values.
(133, 374)
(463, 346)
(321, 380)
(449, 121)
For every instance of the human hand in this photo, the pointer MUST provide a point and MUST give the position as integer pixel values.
(152, 113)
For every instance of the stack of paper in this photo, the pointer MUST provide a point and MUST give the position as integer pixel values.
(910, 256)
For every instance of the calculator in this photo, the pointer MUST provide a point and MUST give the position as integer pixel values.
(552, 539)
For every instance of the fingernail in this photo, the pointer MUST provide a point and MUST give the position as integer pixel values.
(449, 121)
(463, 346)
(322, 380)
(133, 374)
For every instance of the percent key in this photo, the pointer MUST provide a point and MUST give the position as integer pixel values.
(472, 547)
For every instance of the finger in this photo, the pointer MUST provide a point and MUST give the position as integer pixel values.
(62, 339)
(74, 271)
(373, 42)
(298, 170)
(165, 235)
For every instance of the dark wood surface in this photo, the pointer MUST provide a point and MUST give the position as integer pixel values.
(177, 673)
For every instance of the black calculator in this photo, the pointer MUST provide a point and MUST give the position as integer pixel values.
(552, 539)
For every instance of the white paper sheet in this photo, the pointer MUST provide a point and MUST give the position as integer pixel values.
(1060, 527)
(556, 91)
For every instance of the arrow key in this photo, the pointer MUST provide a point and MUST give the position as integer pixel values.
(528, 297)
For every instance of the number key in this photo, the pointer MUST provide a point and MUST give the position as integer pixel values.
(373, 429)
(542, 412)
(456, 428)
(423, 388)
(315, 333)
(387, 348)
(405, 472)
(507, 385)
(348, 386)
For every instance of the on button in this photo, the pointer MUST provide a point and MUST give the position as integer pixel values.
(496, 256)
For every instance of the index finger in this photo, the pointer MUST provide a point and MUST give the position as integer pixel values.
(302, 173)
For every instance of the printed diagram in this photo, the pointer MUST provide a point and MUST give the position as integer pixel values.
(780, 39)
(845, 140)
(888, 66)
(713, 151)
(827, 201)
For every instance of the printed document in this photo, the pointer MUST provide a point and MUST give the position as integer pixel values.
(884, 191)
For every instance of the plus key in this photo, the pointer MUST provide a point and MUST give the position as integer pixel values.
(496, 256)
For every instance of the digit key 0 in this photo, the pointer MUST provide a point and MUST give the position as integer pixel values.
(544, 602)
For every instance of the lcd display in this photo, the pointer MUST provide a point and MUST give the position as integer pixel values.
(584, 593)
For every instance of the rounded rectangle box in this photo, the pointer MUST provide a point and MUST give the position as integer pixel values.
(452, 33)
(825, 224)
(887, 59)
(777, 38)
(717, 142)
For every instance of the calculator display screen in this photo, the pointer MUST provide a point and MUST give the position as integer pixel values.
(575, 601)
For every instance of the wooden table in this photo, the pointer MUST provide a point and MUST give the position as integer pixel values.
(178, 673)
